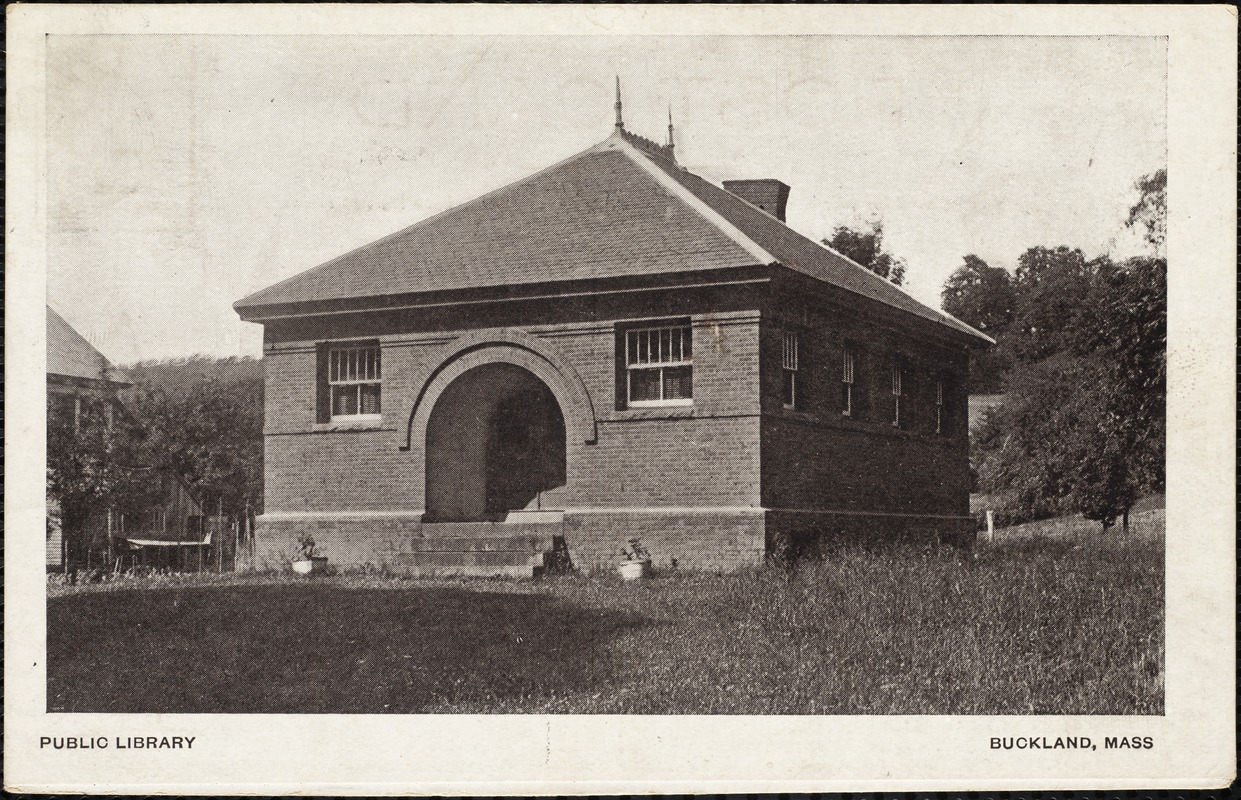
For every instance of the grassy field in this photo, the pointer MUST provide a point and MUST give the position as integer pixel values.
(1026, 625)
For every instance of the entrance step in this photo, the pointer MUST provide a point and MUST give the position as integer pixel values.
(475, 558)
(468, 572)
(470, 544)
(480, 549)
(460, 530)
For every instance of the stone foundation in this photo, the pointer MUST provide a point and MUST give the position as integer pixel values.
(709, 539)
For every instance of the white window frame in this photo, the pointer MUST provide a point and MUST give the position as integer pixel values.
(789, 351)
(687, 334)
(846, 378)
(897, 388)
(362, 375)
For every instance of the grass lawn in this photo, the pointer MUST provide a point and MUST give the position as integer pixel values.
(1025, 626)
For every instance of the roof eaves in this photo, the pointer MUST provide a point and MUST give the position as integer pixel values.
(617, 142)
(645, 159)
(250, 299)
(955, 322)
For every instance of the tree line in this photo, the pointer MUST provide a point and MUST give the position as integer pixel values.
(198, 418)
(1080, 360)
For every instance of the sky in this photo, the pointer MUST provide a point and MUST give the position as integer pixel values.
(185, 172)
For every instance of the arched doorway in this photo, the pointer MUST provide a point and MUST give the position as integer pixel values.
(495, 444)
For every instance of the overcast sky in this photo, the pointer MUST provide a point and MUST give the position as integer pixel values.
(188, 171)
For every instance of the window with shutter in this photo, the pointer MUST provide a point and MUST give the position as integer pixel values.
(659, 366)
(354, 378)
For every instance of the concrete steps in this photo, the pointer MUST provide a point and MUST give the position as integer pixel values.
(467, 544)
(479, 549)
(467, 572)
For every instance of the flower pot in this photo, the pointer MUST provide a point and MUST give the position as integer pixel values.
(635, 570)
(310, 566)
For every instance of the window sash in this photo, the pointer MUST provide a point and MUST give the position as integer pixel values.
(659, 366)
(788, 389)
(354, 365)
(667, 345)
(354, 382)
(790, 351)
(896, 394)
(939, 406)
(660, 386)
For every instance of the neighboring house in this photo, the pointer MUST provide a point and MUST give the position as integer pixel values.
(82, 383)
(612, 347)
(84, 386)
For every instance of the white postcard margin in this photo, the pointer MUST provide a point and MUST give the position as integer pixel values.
(346, 754)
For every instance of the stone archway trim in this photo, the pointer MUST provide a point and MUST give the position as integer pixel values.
(503, 345)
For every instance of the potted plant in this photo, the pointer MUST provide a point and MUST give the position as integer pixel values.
(637, 563)
(308, 561)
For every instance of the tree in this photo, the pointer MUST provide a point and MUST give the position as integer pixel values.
(1084, 428)
(1130, 333)
(980, 295)
(1150, 212)
(1055, 444)
(866, 248)
(983, 296)
(204, 421)
(1052, 285)
(94, 464)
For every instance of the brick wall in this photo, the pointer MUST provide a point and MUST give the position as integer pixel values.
(708, 484)
(693, 540)
(874, 478)
(663, 473)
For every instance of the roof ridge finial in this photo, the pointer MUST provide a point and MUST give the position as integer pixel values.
(619, 122)
(671, 141)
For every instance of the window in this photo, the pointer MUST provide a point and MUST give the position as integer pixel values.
(897, 380)
(846, 384)
(353, 381)
(788, 391)
(941, 410)
(659, 368)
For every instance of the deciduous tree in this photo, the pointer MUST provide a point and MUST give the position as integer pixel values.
(1051, 284)
(984, 297)
(980, 295)
(1150, 212)
(204, 420)
(96, 461)
(866, 248)
(1082, 426)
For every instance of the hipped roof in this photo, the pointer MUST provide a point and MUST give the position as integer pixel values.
(622, 208)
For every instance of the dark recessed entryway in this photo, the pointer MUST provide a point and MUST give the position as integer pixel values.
(495, 444)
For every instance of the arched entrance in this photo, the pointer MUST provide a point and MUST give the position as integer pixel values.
(495, 443)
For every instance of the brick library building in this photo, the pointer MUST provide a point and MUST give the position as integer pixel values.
(612, 347)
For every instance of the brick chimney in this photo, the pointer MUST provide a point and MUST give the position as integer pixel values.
(768, 194)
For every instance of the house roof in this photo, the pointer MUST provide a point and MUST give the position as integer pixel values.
(69, 355)
(622, 208)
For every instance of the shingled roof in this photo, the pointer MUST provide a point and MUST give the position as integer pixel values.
(71, 356)
(622, 208)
